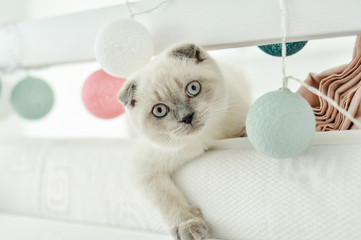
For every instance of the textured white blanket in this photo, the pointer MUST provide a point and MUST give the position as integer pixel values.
(242, 194)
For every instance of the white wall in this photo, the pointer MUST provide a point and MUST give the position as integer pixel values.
(48, 8)
(12, 10)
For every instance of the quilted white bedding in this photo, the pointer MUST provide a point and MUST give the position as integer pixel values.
(242, 194)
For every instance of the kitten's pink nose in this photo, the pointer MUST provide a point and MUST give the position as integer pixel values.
(188, 118)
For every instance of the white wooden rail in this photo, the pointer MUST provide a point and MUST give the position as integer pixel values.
(212, 23)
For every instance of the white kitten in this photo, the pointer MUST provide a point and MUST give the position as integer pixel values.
(178, 105)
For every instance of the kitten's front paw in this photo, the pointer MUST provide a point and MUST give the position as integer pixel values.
(192, 229)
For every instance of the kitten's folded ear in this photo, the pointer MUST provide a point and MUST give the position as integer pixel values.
(188, 51)
(127, 94)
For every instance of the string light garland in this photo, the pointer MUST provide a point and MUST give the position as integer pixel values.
(281, 124)
(121, 48)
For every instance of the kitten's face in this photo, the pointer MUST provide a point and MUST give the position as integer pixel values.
(171, 98)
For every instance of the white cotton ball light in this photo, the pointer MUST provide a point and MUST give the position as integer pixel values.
(122, 47)
(280, 124)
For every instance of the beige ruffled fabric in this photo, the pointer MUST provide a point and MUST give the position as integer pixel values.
(342, 84)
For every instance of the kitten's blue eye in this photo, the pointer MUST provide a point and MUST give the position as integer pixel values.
(193, 88)
(160, 110)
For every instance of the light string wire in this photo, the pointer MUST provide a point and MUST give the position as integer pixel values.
(284, 48)
(132, 14)
(308, 87)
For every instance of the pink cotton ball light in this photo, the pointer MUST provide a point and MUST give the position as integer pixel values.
(100, 95)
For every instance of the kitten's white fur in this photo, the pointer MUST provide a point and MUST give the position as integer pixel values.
(165, 144)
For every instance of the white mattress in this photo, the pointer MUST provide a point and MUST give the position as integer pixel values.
(16, 227)
(242, 194)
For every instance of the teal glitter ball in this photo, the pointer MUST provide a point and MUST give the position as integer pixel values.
(280, 124)
(276, 49)
(32, 98)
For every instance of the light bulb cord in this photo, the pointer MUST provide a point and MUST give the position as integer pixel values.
(284, 48)
(132, 14)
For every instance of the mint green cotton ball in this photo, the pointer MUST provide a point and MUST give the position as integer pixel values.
(32, 98)
(280, 124)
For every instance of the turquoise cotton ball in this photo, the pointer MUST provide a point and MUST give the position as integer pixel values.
(276, 49)
(32, 98)
(280, 124)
